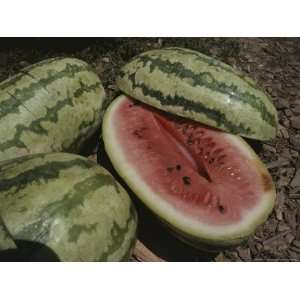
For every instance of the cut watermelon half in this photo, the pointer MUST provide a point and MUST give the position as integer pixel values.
(208, 186)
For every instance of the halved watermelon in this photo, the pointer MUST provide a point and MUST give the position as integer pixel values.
(207, 185)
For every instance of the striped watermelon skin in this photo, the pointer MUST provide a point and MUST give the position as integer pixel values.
(6, 240)
(51, 106)
(68, 203)
(192, 85)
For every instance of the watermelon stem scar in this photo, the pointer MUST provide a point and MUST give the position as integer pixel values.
(207, 185)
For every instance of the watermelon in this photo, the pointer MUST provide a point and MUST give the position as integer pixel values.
(209, 187)
(67, 203)
(6, 240)
(51, 106)
(195, 86)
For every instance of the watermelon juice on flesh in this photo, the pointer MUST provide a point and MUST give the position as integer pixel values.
(207, 185)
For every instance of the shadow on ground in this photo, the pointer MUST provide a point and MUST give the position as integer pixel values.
(28, 251)
(161, 241)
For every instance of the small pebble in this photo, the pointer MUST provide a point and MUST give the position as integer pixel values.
(296, 109)
(296, 243)
(105, 59)
(295, 141)
(295, 122)
(296, 180)
(288, 112)
(278, 163)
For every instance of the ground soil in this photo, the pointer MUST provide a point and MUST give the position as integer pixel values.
(273, 62)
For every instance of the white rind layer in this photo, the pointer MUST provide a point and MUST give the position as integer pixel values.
(215, 234)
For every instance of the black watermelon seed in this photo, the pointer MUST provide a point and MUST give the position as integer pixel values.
(186, 180)
(211, 160)
(221, 209)
(138, 133)
(190, 141)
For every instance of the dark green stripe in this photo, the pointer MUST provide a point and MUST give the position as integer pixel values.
(42, 63)
(188, 105)
(15, 141)
(51, 115)
(25, 94)
(36, 80)
(78, 229)
(43, 173)
(14, 80)
(77, 193)
(132, 241)
(11, 163)
(215, 63)
(118, 235)
(69, 72)
(205, 79)
(11, 81)
(9, 106)
(20, 104)
(40, 230)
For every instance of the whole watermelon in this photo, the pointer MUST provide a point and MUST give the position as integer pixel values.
(51, 106)
(67, 203)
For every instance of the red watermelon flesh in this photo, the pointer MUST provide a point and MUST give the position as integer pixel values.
(205, 174)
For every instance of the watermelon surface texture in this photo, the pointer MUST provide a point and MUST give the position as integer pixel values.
(67, 203)
(208, 186)
(51, 106)
(195, 86)
(6, 240)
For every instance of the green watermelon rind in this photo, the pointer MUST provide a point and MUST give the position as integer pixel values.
(195, 233)
(6, 240)
(51, 106)
(68, 203)
(192, 85)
